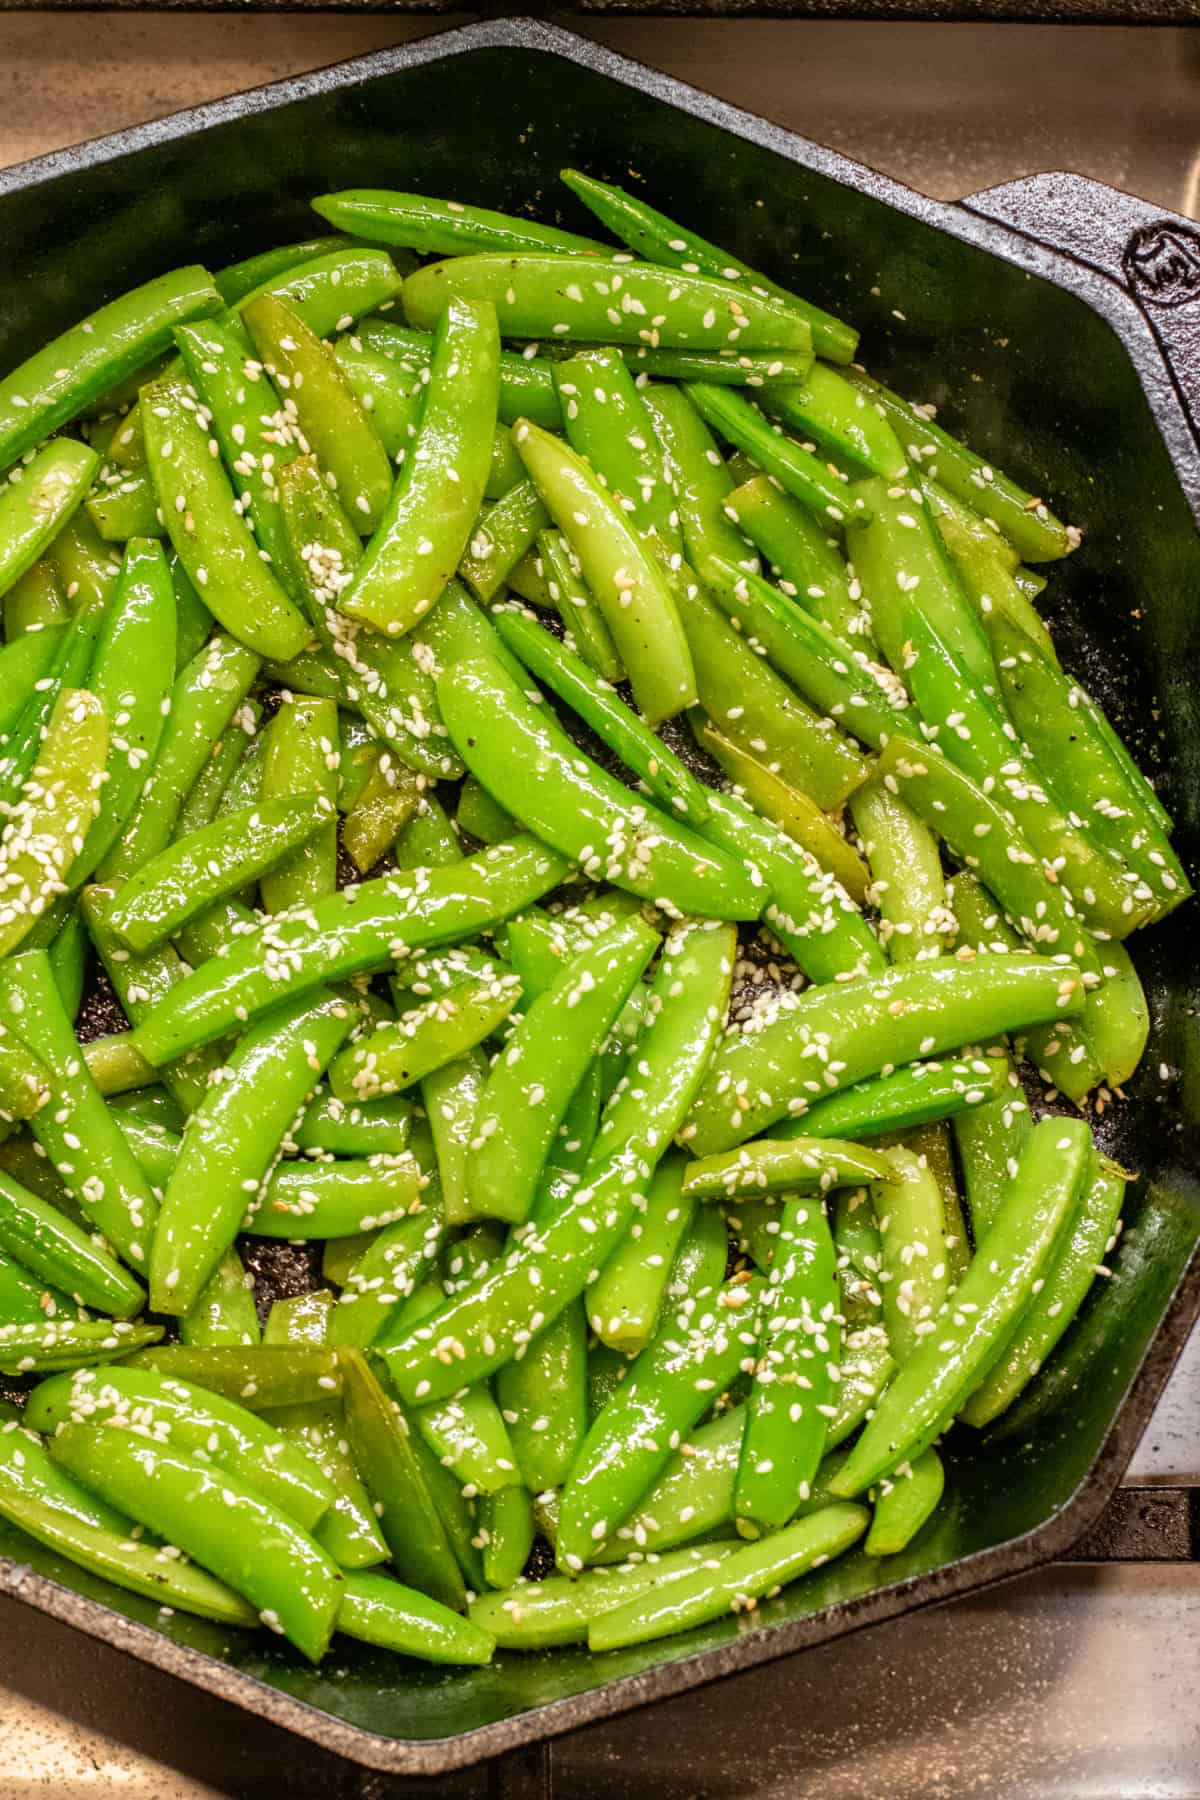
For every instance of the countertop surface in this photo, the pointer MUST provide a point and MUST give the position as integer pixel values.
(1079, 1681)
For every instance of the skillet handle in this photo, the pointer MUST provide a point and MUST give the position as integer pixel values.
(1153, 254)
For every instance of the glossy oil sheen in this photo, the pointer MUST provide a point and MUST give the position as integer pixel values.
(1044, 364)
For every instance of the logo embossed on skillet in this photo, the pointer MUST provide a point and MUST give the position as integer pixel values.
(1162, 263)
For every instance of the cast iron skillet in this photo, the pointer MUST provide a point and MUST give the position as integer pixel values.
(1059, 323)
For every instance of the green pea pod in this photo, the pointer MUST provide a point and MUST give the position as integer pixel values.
(334, 426)
(751, 704)
(796, 469)
(699, 477)
(210, 535)
(69, 1343)
(125, 506)
(349, 1531)
(527, 762)
(543, 1398)
(687, 1365)
(1022, 518)
(1077, 1260)
(911, 1096)
(863, 1025)
(42, 1499)
(583, 622)
(795, 1370)
(302, 1202)
(330, 292)
(37, 500)
(224, 1313)
(424, 1039)
(468, 1436)
(60, 380)
(386, 1273)
(624, 1302)
(661, 240)
(527, 1093)
(376, 1610)
(257, 439)
(238, 279)
(502, 535)
(805, 556)
(379, 1437)
(607, 421)
(53, 1247)
(369, 927)
(987, 578)
(775, 1165)
(503, 1310)
(906, 874)
(191, 1420)
(228, 1147)
(220, 1521)
(620, 571)
(735, 1583)
(507, 1524)
(987, 1305)
(429, 840)
(903, 1505)
(78, 1133)
(642, 752)
(692, 1498)
(260, 1378)
(914, 1274)
(206, 694)
(443, 227)
(34, 607)
(428, 520)
(526, 383)
(450, 1096)
(827, 407)
(68, 958)
(24, 662)
(47, 829)
(301, 758)
(604, 300)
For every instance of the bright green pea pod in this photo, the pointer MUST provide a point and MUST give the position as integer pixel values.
(914, 1275)
(126, 506)
(428, 520)
(335, 427)
(1025, 520)
(377, 1128)
(839, 416)
(259, 1378)
(206, 694)
(238, 279)
(620, 571)
(777, 1165)
(190, 1420)
(904, 1014)
(1059, 724)
(47, 1243)
(85, 565)
(37, 500)
(506, 1521)
(605, 301)
(528, 763)
(692, 1498)
(801, 473)
(991, 585)
(1117, 1017)
(68, 958)
(306, 1201)
(750, 703)
(642, 752)
(425, 1039)
(68, 669)
(34, 606)
(387, 1272)
(443, 227)
(661, 240)
(377, 1610)
(256, 436)
(794, 811)
(54, 1510)
(728, 368)
(988, 1303)
(429, 840)
(907, 882)
(981, 832)
(543, 1398)
(526, 383)
(502, 1310)
(468, 1436)
(193, 621)
(116, 1066)
(990, 1141)
(70, 1344)
(330, 292)
(624, 1302)
(224, 1312)
(701, 482)
(210, 864)
(218, 1520)
(78, 1132)
(732, 1583)
(450, 1096)
(608, 422)
(688, 1364)
(210, 534)
(799, 901)
(479, 815)
(231, 1141)
(24, 1301)
(903, 1504)
(528, 1091)
(805, 555)
(380, 1440)
(60, 380)
(132, 675)
(502, 535)
(795, 1371)
(1077, 1260)
(349, 1531)
(386, 802)
(23, 663)
(48, 827)
(156, 1147)
(301, 758)
(583, 622)
(369, 927)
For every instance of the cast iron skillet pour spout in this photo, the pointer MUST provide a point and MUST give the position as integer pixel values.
(1067, 319)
